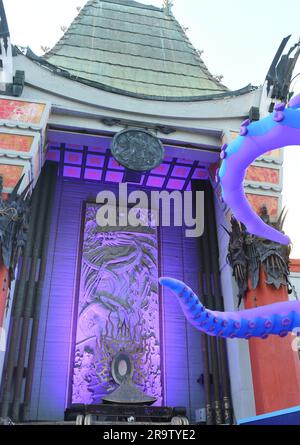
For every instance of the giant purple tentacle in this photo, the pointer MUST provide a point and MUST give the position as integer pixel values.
(275, 319)
(278, 130)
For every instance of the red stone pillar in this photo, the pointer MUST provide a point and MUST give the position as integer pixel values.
(4, 285)
(275, 366)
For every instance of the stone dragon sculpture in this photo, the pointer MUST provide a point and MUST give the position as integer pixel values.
(247, 254)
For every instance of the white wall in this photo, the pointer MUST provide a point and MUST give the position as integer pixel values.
(238, 350)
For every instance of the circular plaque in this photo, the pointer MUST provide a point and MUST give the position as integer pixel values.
(137, 150)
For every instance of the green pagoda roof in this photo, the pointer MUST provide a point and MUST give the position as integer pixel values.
(127, 47)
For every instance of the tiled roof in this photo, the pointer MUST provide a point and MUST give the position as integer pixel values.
(134, 48)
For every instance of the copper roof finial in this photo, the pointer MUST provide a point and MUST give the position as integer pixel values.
(168, 6)
(4, 31)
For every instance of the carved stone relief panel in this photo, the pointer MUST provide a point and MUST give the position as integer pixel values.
(118, 309)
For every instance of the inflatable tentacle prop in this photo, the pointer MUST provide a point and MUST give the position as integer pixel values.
(277, 319)
(280, 129)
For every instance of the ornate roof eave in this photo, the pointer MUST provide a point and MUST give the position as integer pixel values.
(200, 125)
(66, 94)
(63, 73)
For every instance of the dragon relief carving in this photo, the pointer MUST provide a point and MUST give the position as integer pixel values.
(118, 309)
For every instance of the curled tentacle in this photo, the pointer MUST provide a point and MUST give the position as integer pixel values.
(275, 319)
(278, 130)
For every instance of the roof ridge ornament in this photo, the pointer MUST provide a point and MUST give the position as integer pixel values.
(168, 4)
(4, 30)
(279, 77)
(6, 58)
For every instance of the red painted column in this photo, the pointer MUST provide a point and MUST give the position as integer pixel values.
(295, 266)
(275, 366)
(4, 285)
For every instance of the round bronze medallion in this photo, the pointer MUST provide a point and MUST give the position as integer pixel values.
(137, 150)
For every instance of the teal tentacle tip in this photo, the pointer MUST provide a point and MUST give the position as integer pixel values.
(164, 281)
(170, 283)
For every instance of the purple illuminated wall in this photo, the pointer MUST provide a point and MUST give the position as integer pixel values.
(118, 309)
(97, 164)
(181, 345)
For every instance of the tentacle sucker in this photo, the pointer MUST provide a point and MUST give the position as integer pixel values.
(276, 319)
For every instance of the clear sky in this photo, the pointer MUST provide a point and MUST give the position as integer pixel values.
(239, 40)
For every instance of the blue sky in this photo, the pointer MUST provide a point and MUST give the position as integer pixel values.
(239, 40)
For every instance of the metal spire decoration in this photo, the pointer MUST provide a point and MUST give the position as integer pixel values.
(4, 31)
(168, 6)
(280, 74)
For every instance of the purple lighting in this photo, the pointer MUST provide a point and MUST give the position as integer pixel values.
(176, 184)
(181, 172)
(113, 164)
(95, 161)
(114, 176)
(73, 158)
(155, 181)
(53, 155)
(97, 164)
(200, 174)
(97, 149)
(162, 169)
(72, 172)
(92, 174)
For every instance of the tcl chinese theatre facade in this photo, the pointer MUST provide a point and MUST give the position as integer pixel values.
(124, 98)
